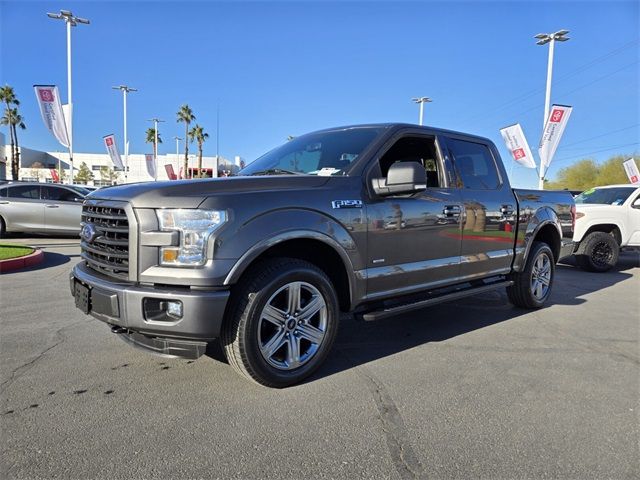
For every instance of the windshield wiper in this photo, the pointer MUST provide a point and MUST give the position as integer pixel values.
(276, 171)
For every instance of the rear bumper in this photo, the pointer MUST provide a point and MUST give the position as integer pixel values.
(129, 308)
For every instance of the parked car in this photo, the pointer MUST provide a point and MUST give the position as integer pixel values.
(265, 261)
(607, 219)
(40, 207)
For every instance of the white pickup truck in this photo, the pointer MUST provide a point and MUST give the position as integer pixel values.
(607, 219)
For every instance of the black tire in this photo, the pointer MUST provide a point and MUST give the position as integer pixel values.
(598, 252)
(3, 228)
(522, 293)
(245, 321)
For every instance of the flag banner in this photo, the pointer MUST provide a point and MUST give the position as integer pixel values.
(54, 175)
(112, 150)
(67, 111)
(51, 111)
(631, 169)
(516, 142)
(151, 165)
(170, 172)
(552, 134)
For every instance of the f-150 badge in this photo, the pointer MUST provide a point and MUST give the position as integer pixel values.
(346, 204)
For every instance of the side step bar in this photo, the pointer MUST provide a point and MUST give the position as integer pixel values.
(408, 307)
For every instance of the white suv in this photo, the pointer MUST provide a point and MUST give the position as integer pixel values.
(607, 219)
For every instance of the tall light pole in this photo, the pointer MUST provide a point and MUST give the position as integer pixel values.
(71, 21)
(155, 145)
(422, 101)
(551, 39)
(177, 139)
(125, 89)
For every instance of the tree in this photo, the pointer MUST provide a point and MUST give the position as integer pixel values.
(151, 138)
(198, 135)
(586, 173)
(185, 114)
(13, 120)
(84, 175)
(108, 173)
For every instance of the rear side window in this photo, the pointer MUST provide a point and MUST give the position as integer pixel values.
(3, 192)
(24, 191)
(59, 194)
(475, 164)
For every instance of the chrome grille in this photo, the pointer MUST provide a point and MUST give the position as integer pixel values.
(108, 251)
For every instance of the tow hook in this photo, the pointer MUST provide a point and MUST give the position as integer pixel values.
(116, 329)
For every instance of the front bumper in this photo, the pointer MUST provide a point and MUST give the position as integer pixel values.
(123, 305)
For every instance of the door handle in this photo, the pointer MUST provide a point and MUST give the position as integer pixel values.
(52, 206)
(506, 209)
(4, 203)
(451, 210)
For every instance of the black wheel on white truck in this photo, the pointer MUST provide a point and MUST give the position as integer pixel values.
(282, 323)
(598, 252)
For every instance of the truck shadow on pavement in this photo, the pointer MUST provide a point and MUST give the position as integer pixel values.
(360, 342)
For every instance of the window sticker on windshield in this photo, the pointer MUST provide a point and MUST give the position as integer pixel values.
(327, 171)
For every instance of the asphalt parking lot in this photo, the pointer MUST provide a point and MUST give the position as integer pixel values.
(475, 389)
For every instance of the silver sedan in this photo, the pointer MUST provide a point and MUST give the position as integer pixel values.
(41, 208)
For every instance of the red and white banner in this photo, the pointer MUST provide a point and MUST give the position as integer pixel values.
(54, 175)
(112, 150)
(51, 111)
(518, 146)
(170, 172)
(631, 169)
(552, 134)
(151, 165)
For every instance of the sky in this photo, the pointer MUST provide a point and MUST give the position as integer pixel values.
(273, 69)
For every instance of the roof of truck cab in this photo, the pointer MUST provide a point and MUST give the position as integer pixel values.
(399, 126)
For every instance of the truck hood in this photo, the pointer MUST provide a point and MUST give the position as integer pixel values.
(191, 193)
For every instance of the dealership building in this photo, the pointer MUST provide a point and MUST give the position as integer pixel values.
(36, 165)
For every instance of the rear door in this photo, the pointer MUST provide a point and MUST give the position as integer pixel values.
(413, 241)
(62, 209)
(489, 216)
(22, 208)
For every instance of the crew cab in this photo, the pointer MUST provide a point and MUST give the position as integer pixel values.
(372, 219)
(607, 219)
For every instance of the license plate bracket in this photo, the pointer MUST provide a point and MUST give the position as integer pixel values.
(82, 295)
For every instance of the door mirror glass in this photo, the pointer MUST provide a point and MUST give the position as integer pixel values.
(636, 203)
(402, 178)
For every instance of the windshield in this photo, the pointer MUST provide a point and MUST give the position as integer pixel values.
(322, 153)
(605, 196)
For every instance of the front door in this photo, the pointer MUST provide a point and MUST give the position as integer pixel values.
(62, 209)
(413, 240)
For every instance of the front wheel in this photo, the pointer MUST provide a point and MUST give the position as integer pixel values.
(532, 286)
(598, 252)
(282, 322)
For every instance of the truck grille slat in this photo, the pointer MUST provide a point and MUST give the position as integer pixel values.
(108, 251)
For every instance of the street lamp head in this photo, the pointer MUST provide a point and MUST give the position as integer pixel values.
(54, 15)
(541, 36)
(68, 17)
(66, 13)
(83, 21)
(422, 100)
(561, 32)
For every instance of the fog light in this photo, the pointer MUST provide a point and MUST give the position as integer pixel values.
(174, 309)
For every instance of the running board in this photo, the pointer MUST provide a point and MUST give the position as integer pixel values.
(408, 307)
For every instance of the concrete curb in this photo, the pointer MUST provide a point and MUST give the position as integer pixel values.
(30, 260)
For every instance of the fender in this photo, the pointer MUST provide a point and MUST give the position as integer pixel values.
(542, 217)
(276, 227)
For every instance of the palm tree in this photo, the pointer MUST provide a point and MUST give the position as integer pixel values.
(13, 120)
(185, 114)
(8, 97)
(151, 138)
(198, 134)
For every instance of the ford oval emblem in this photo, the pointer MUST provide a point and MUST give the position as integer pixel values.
(88, 233)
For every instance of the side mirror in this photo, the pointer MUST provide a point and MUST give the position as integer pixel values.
(402, 178)
(636, 203)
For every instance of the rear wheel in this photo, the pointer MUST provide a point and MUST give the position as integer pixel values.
(282, 323)
(532, 286)
(598, 252)
(3, 228)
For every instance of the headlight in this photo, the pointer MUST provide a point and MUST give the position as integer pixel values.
(195, 227)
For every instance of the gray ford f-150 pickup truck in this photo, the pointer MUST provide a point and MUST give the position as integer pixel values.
(374, 219)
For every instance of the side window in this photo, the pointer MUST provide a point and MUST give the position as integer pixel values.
(24, 191)
(475, 164)
(414, 149)
(59, 194)
(3, 192)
